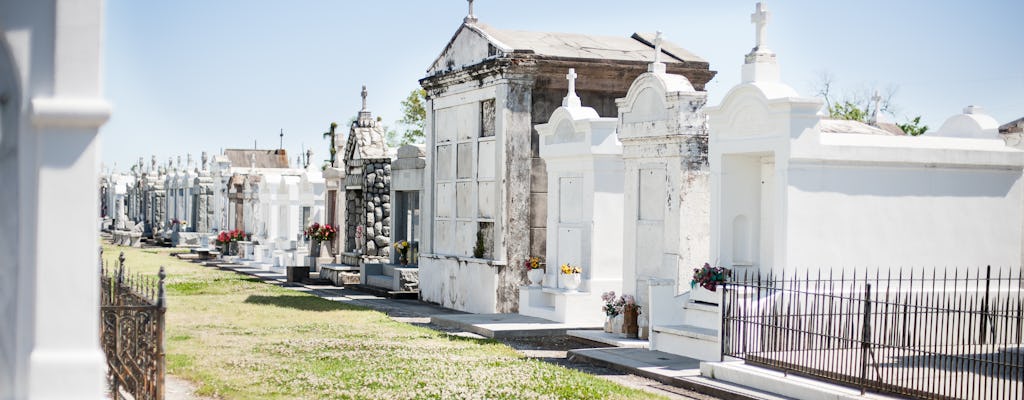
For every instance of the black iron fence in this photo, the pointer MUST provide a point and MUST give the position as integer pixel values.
(132, 308)
(926, 334)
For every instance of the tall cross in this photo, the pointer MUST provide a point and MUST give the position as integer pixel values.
(470, 17)
(760, 18)
(878, 106)
(282, 139)
(657, 47)
(571, 77)
(571, 99)
(364, 97)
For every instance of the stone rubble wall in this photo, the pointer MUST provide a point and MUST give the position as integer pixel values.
(376, 207)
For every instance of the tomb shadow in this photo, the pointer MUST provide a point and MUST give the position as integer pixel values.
(301, 302)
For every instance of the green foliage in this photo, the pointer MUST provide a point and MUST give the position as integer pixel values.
(848, 111)
(914, 127)
(480, 248)
(332, 135)
(414, 116)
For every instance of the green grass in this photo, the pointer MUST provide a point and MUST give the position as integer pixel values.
(239, 338)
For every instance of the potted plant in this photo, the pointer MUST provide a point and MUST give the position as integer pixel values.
(571, 277)
(610, 310)
(624, 306)
(708, 278)
(402, 247)
(534, 270)
(318, 234)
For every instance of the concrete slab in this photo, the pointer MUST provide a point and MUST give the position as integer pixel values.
(669, 369)
(505, 325)
(611, 339)
(792, 386)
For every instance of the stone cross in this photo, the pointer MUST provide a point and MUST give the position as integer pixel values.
(470, 18)
(205, 159)
(152, 162)
(877, 99)
(760, 18)
(657, 47)
(177, 167)
(571, 99)
(364, 97)
(188, 163)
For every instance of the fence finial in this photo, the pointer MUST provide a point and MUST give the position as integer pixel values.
(161, 295)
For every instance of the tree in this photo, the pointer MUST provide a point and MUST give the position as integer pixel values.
(414, 117)
(859, 105)
(913, 127)
(331, 134)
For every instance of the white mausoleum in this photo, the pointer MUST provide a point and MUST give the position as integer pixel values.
(584, 221)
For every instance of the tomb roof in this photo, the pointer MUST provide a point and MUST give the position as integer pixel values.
(1015, 126)
(856, 127)
(499, 42)
(636, 47)
(242, 158)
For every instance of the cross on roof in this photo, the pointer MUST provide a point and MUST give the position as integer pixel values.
(760, 18)
(571, 99)
(470, 17)
(878, 106)
(364, 97)
(658, 38)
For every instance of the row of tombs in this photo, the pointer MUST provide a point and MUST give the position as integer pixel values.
(621, 169)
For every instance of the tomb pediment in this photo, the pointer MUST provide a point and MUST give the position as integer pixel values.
(470, 45)
(759, 110)
(658, 104)
(577, 131)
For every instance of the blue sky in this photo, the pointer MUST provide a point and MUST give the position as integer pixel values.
(186, 76)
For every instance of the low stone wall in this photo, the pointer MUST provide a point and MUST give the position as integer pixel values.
(464, 284)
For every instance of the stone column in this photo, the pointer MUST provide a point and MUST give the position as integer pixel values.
(58, 247)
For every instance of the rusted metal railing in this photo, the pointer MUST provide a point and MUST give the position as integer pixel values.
(132, 308)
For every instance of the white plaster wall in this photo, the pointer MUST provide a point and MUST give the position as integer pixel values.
(891, 216)
(459, 283)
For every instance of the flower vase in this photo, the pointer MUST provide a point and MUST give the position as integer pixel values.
(608, 323)
(571, 282)
(629, 323)
(314, 248)
(536, 276)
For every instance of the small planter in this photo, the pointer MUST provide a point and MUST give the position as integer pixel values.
(536, 276)
(702, 295)
(571, 282)
(629, 323)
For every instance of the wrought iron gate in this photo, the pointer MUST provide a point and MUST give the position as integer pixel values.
(132, 308)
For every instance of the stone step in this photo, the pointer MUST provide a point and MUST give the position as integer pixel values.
(381, 281)
(687, 340)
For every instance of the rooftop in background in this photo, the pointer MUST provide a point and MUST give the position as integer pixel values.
(242, 158)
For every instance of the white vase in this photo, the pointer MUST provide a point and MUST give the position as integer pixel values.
(571, 282)
(617, 323)
(536, 276)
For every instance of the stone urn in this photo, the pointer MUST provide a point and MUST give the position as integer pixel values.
(536, 276)
(571, 282)
(629, 322)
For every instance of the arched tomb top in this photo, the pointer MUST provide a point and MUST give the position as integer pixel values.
(972, 123)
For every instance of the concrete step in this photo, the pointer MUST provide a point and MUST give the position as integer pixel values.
(381, 281)
(687, 340)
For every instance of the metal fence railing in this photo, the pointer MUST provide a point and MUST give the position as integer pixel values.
(132, 309)
(925, 334)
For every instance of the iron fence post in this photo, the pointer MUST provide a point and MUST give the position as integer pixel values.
(722, 330)
(984, 305)
(865, 343)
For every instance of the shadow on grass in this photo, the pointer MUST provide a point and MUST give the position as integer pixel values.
(301, 302)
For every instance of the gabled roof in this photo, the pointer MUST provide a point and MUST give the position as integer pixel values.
(1015, 126)
(638, 47)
